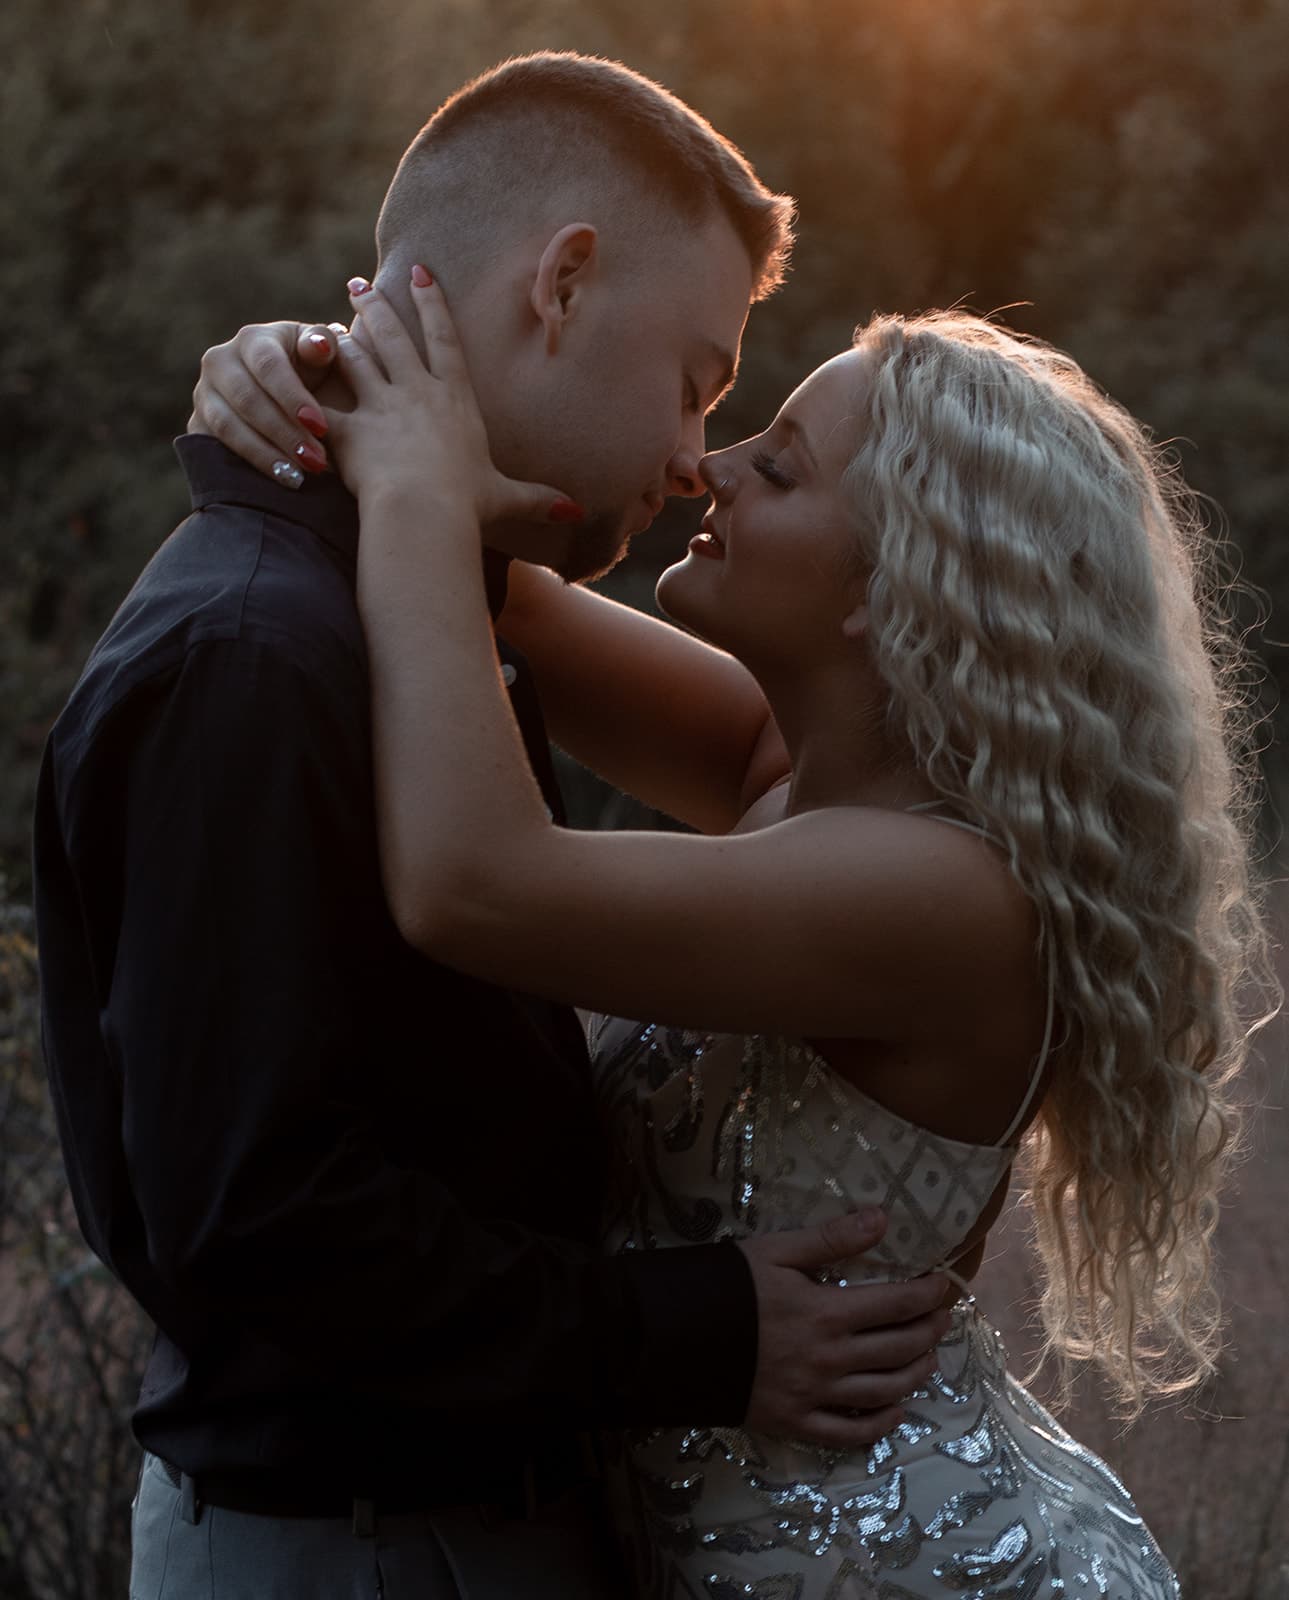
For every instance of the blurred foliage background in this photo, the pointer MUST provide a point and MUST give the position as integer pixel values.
(170, 169)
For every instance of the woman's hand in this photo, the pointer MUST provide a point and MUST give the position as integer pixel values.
(416, 434)
(255, 395)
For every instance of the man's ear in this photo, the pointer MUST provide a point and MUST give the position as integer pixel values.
(855, 626)
(566, 270)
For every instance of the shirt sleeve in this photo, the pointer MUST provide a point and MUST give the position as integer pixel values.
(257, 1166)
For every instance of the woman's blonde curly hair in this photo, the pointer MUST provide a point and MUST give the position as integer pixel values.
(1045, 611)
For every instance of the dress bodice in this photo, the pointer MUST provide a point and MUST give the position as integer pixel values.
(717, 1136)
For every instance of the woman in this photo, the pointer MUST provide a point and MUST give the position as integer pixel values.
(982, 879)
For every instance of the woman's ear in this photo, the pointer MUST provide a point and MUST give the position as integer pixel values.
(565, 271)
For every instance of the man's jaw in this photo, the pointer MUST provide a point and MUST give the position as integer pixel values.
(593, 547)
(578, 552)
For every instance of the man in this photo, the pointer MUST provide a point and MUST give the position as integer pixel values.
(356, 1192)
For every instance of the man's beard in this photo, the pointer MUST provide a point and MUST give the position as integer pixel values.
(594, 547)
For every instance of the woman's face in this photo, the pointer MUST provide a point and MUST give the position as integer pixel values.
(772, 576)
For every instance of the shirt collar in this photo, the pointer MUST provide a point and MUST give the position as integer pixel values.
(322, 504)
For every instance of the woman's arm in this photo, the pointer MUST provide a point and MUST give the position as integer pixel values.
(660, 714)
(841, 922)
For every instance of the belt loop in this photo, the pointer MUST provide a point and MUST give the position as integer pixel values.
(190, 1504)
(364, 1519)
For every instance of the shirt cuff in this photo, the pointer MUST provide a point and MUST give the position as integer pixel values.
(697, 1332)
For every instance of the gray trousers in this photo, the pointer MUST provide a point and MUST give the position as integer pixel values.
(183, 1551)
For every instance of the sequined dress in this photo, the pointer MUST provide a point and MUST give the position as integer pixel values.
(979, 1492)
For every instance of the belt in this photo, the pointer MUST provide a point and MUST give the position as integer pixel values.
(280, 1493)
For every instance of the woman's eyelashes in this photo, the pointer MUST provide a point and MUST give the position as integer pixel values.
(765, 464)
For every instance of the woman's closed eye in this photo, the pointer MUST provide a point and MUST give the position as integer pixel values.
(770, 471)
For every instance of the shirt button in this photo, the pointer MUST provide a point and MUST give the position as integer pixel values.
(508, 675)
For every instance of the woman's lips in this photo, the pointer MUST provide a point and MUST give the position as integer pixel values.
(707, 542)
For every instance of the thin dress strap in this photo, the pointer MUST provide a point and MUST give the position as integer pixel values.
(1037, 1075)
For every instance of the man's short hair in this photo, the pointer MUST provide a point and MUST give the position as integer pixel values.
(559, 122)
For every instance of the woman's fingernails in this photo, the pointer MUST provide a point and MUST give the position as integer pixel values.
(311, 456)
(420, 277)
(357, 286)
(321, 344)
(288, 476)
(311, 418)
(566, 511)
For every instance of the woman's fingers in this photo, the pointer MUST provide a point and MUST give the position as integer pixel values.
(384, 333)
(384, 336)
(315, 350)
(361, 370)
(442, 347)
(415, 422)
(530, 502)
(222, 422)
(250, 397)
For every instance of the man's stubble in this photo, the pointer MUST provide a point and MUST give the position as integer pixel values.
(594, 548)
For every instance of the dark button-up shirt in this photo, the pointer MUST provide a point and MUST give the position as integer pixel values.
(357, 1192)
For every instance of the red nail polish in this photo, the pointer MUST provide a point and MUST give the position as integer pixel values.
(320, 343)
(311, 457)
(420, 277)
(566, 511)
(357, 286)
(311, 418)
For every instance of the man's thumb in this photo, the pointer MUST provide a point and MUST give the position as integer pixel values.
(834, 1240)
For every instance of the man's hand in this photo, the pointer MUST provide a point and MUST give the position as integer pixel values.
(833, 1363)
(255, 395)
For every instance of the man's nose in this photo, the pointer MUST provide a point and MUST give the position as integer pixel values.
(682, 470)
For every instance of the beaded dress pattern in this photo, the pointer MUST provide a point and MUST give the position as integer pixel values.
(979, 1494)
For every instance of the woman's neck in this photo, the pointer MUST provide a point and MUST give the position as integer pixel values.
(841, 750)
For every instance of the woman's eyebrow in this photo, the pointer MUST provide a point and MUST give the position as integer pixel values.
(792, 427)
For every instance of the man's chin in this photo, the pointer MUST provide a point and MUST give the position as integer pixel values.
(577, 554)
(593, 548)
